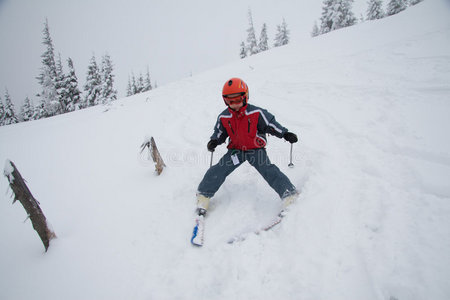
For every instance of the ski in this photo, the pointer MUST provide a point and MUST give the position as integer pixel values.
(198, 232)
(269, 226)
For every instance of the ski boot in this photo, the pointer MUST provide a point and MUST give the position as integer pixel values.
(287, 202)
(202, 204)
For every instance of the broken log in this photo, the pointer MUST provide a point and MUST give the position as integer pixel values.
(29, 203)
(156, 156)
(157, 159)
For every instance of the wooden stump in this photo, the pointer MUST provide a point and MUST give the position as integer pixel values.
(31, 205)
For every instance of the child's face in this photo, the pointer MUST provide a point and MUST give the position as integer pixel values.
(236, 106)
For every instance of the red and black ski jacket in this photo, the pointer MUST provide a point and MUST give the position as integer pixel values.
(246, 128)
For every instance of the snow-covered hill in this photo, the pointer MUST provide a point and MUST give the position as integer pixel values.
(371, 106)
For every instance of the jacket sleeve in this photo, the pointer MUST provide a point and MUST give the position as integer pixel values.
(220, 134)
(268, 124)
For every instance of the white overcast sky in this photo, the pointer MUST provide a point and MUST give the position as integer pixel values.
(173, 38)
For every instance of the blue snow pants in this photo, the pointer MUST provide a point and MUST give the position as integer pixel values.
(258, 158)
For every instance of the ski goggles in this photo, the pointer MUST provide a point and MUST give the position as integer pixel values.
(234, 98)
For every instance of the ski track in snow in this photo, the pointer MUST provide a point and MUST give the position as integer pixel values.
(372, 164)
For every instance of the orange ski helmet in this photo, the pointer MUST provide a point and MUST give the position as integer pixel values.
(235, 88)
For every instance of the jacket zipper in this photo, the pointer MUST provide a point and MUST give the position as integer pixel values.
(229, 124)
(248, 125)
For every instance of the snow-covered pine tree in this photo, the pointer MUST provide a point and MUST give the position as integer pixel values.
(108, 93)
(315, 31)
(134, 87)
(93, 85)
(73, 100)
(325, 19)
(282, 36)
(375, 10)
(2, 113)
(60, 84)
(147, 82)
(129, 87)
(263, 44)
(243, 51)
(347, 17)
(336, 14)
(252, 45)
(39, 111)
(345, 14)
(395, 6)
(9, 114)
(47, 77)
(140, 84)
(27, 110)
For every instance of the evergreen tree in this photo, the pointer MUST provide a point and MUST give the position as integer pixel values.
(375, 10)
(27, 110)
(2, 113)
(39, 111)
(93, 85)
(47, 77)
(336, 14)
(243, 52)
(315, 31)
(108, 93)
(134, 87)
(73, 100)
(61, 89)
(252, 45)
(395, 6)
(140, 84)
(129, 87)
(282, 36)
(9, 114)
(263, 44)
(147, 82)
(326, 22)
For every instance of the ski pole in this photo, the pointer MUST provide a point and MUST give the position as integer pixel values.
(210, 163)
(291, 165)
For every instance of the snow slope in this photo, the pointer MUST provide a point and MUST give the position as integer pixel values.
(371, 106)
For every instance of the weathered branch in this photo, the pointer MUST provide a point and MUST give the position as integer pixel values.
(31, 205)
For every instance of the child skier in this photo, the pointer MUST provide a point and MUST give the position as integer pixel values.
(246, 125)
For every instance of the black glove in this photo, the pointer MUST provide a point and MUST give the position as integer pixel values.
(212, 144)
(290, 137)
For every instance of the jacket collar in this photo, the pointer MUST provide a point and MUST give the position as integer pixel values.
(240, 113)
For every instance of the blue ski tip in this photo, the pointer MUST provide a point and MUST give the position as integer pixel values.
(194, 235)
